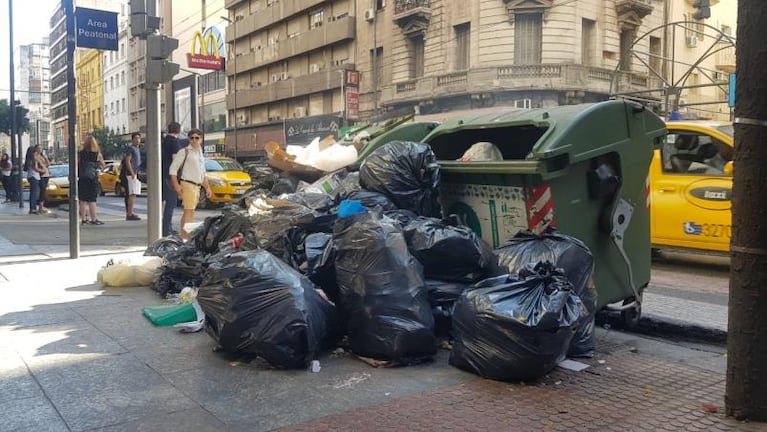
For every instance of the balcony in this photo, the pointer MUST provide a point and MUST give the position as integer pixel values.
(632, 12)
(337, 31)
(412, 16)
(725, 58)
(554, 77)
(289, 88)
(268, 16)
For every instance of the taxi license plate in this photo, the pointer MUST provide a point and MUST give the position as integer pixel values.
(241, 191)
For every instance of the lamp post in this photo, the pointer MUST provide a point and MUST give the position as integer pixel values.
(234, 78)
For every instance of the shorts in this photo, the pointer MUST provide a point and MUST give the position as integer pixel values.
(190, 195)
(134, 186)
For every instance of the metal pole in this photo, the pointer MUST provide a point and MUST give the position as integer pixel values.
(153, 151)
(202, 107)
(12, 103)
(234, 48)
(74, 226)
(375, 59)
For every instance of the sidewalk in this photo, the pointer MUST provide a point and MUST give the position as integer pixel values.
(77, 357)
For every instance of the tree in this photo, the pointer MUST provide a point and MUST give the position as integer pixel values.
(112, 144)
(746, 395)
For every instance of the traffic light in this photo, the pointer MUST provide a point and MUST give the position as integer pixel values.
(158, 48)
(702, 9)
(142, 19)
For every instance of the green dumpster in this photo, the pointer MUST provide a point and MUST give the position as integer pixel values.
(580, 168)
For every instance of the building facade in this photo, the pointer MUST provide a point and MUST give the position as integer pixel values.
(58, 83)
(90, 92)
(33, 91)
(196, 98)
(115, 81)
(285, 67)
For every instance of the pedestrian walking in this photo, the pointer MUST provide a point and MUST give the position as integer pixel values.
(90, 161)
(6, 169)
(129, 176)
(187, 175)
(170, 147)
(45, 176)
(32, 166)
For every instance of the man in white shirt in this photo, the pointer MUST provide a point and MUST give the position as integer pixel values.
(187, 175)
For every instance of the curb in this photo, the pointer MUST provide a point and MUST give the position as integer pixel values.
(667, 328)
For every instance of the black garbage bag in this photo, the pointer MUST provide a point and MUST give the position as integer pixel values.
(572, 256)
(182, 267)
(286, 184)
(220, 228)
(518, 330)
(369, 199)
(442, 297)
(315, 201)
(402, 217)
(252, 194)
(407, 173)
(320, 263)
(448, 252)
(383, 297)
(256, 304)
(162, 246)
(349, 184)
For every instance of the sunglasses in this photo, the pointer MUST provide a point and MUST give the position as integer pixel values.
(194, 137)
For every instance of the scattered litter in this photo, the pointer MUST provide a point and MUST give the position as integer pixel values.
(647, 390)
(352, 381)
(141, 271)
(558, 383)
(387, 394)
(606, 326)
(710, 408)
(315, 366)
(170, 314)
(601, 361)
(572, 365)
(609, 368)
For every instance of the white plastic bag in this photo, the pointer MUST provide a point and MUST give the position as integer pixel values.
(482, 152)
(130, 273)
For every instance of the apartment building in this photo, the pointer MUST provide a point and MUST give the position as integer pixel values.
(197, 96)
(116, 79)
(58, 82)
(33, 91)
(286, 66)
(89, 91)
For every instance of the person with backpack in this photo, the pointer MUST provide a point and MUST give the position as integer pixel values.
(187, 175)
(90, 161)
(129, 175)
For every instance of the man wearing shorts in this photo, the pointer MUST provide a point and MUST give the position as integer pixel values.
(129, 175)
(187, 175)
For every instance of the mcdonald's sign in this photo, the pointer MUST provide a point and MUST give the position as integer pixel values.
(207, 50)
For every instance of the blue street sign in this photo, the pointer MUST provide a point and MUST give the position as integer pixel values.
(96, 29)
(731, 95)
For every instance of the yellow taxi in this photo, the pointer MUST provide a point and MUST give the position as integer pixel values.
(58, 184)
(109, 180)
(228, 181)
(691, 187)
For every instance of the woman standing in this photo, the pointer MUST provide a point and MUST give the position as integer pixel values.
(5, 170)
(90, 162)
(33, 167)
(45, 175)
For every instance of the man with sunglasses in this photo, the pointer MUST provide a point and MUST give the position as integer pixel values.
(187, 175)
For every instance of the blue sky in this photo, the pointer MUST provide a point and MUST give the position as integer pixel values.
(31, 21)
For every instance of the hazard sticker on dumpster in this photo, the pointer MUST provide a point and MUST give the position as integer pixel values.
(496, 213)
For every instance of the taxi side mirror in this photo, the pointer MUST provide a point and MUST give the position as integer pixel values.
(728, 168)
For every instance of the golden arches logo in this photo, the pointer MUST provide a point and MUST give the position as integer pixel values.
(199, 55)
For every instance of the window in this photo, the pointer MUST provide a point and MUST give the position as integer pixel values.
(380, 4)
(316, 18)
(588, 42)
(123, 105)
(656, 54)
(528, 35)
(695, 154)
(462, 41)
(627, 40)
(122, 77)
(416, 56)
(122, 50)
(111, 83)
(376, 61)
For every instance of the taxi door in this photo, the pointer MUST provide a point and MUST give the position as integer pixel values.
(690, 195)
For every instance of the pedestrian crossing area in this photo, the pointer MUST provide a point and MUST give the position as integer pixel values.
(113, 209)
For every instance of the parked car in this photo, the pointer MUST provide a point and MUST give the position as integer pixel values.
(109, 180)
(691, 187)
(58, 185)
(228, 181)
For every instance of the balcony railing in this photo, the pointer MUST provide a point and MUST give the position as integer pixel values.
(401, 6)
(452, 79)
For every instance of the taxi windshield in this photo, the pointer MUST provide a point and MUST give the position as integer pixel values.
(222, 165)
(726, 129)
(59, 170)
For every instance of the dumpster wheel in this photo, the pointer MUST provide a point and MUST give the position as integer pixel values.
(631, 312)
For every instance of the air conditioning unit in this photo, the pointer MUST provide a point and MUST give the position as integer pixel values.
(370, 15)
(299, 112)
(314, 67)
(284, 76)
(692, 41)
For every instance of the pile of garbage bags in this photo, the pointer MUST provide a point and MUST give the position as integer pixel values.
(368, 260)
